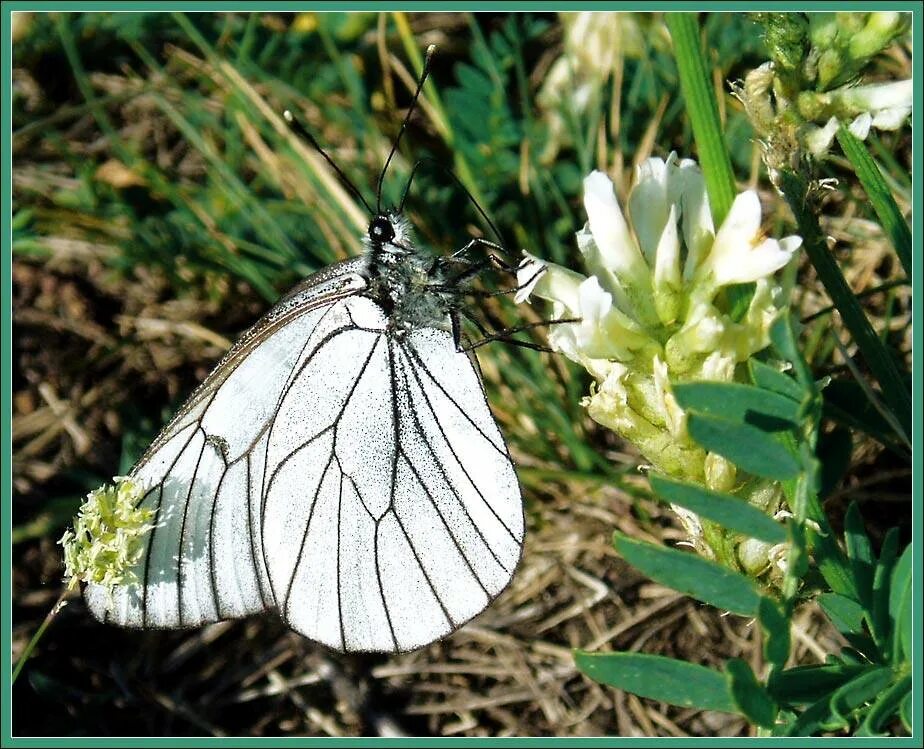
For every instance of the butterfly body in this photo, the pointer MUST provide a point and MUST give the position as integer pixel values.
(414, 288)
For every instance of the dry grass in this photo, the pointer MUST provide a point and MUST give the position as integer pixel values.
(509, 673)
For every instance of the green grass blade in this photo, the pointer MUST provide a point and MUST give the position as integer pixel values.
(877, 356)
(703, 110)
(879, 195)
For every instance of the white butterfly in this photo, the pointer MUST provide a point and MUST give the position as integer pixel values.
(340, 465)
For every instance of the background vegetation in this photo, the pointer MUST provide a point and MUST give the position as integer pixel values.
(161, 205)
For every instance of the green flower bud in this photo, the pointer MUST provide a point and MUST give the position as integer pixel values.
(823, 29)
(880, 30)
(720, 473)
(786, 36)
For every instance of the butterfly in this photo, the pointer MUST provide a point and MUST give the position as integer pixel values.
(340, 465)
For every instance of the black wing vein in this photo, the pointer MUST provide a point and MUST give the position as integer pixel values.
(455, 454)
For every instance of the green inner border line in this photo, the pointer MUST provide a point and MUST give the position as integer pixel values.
(6, 737)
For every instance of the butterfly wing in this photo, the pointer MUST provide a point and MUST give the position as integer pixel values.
(391, 512)
(203, 559)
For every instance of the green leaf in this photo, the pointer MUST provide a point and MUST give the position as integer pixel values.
(858, 691)
(776, 626)
(748, 447)
(860, 554)
(769, 378)
(754, 702)
(805, 684)
(784, 340)
(882, 579)
(816, 717)
(906, 711)
(746, 404)
(885, 707)
(880, 197)
(845, 614)
(731, 512)
(659, 678)
(900, 606)
(687, 573)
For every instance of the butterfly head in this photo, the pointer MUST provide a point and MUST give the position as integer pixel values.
(391, 233)
(381, 230)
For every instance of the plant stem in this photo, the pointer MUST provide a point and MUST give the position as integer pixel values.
(58, 605)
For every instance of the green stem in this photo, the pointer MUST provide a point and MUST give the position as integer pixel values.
(49, 617)
(877, 356)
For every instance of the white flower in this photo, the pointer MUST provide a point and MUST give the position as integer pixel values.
(106, 542)
(884, 106)
(739, 255)
(595, 43)
(888, 104)
(650, 311)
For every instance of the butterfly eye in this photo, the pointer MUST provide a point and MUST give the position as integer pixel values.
(381, 230)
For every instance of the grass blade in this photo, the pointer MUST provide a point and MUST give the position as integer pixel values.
(703, 110)
(879, 195)
(877, 356)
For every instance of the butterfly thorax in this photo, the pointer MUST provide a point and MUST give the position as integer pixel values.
(412, 286)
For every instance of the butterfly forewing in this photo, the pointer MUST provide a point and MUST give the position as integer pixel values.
(203, 559)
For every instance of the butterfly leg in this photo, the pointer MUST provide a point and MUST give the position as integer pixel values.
(504, 335)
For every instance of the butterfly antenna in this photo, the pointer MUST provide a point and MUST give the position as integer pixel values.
(455, 177)
(300, 130)
(423, 77)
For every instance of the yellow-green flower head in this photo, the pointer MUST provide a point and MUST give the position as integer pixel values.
(107, 540)
(650, 307)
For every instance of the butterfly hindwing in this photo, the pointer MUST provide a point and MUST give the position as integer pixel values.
(392, 513)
